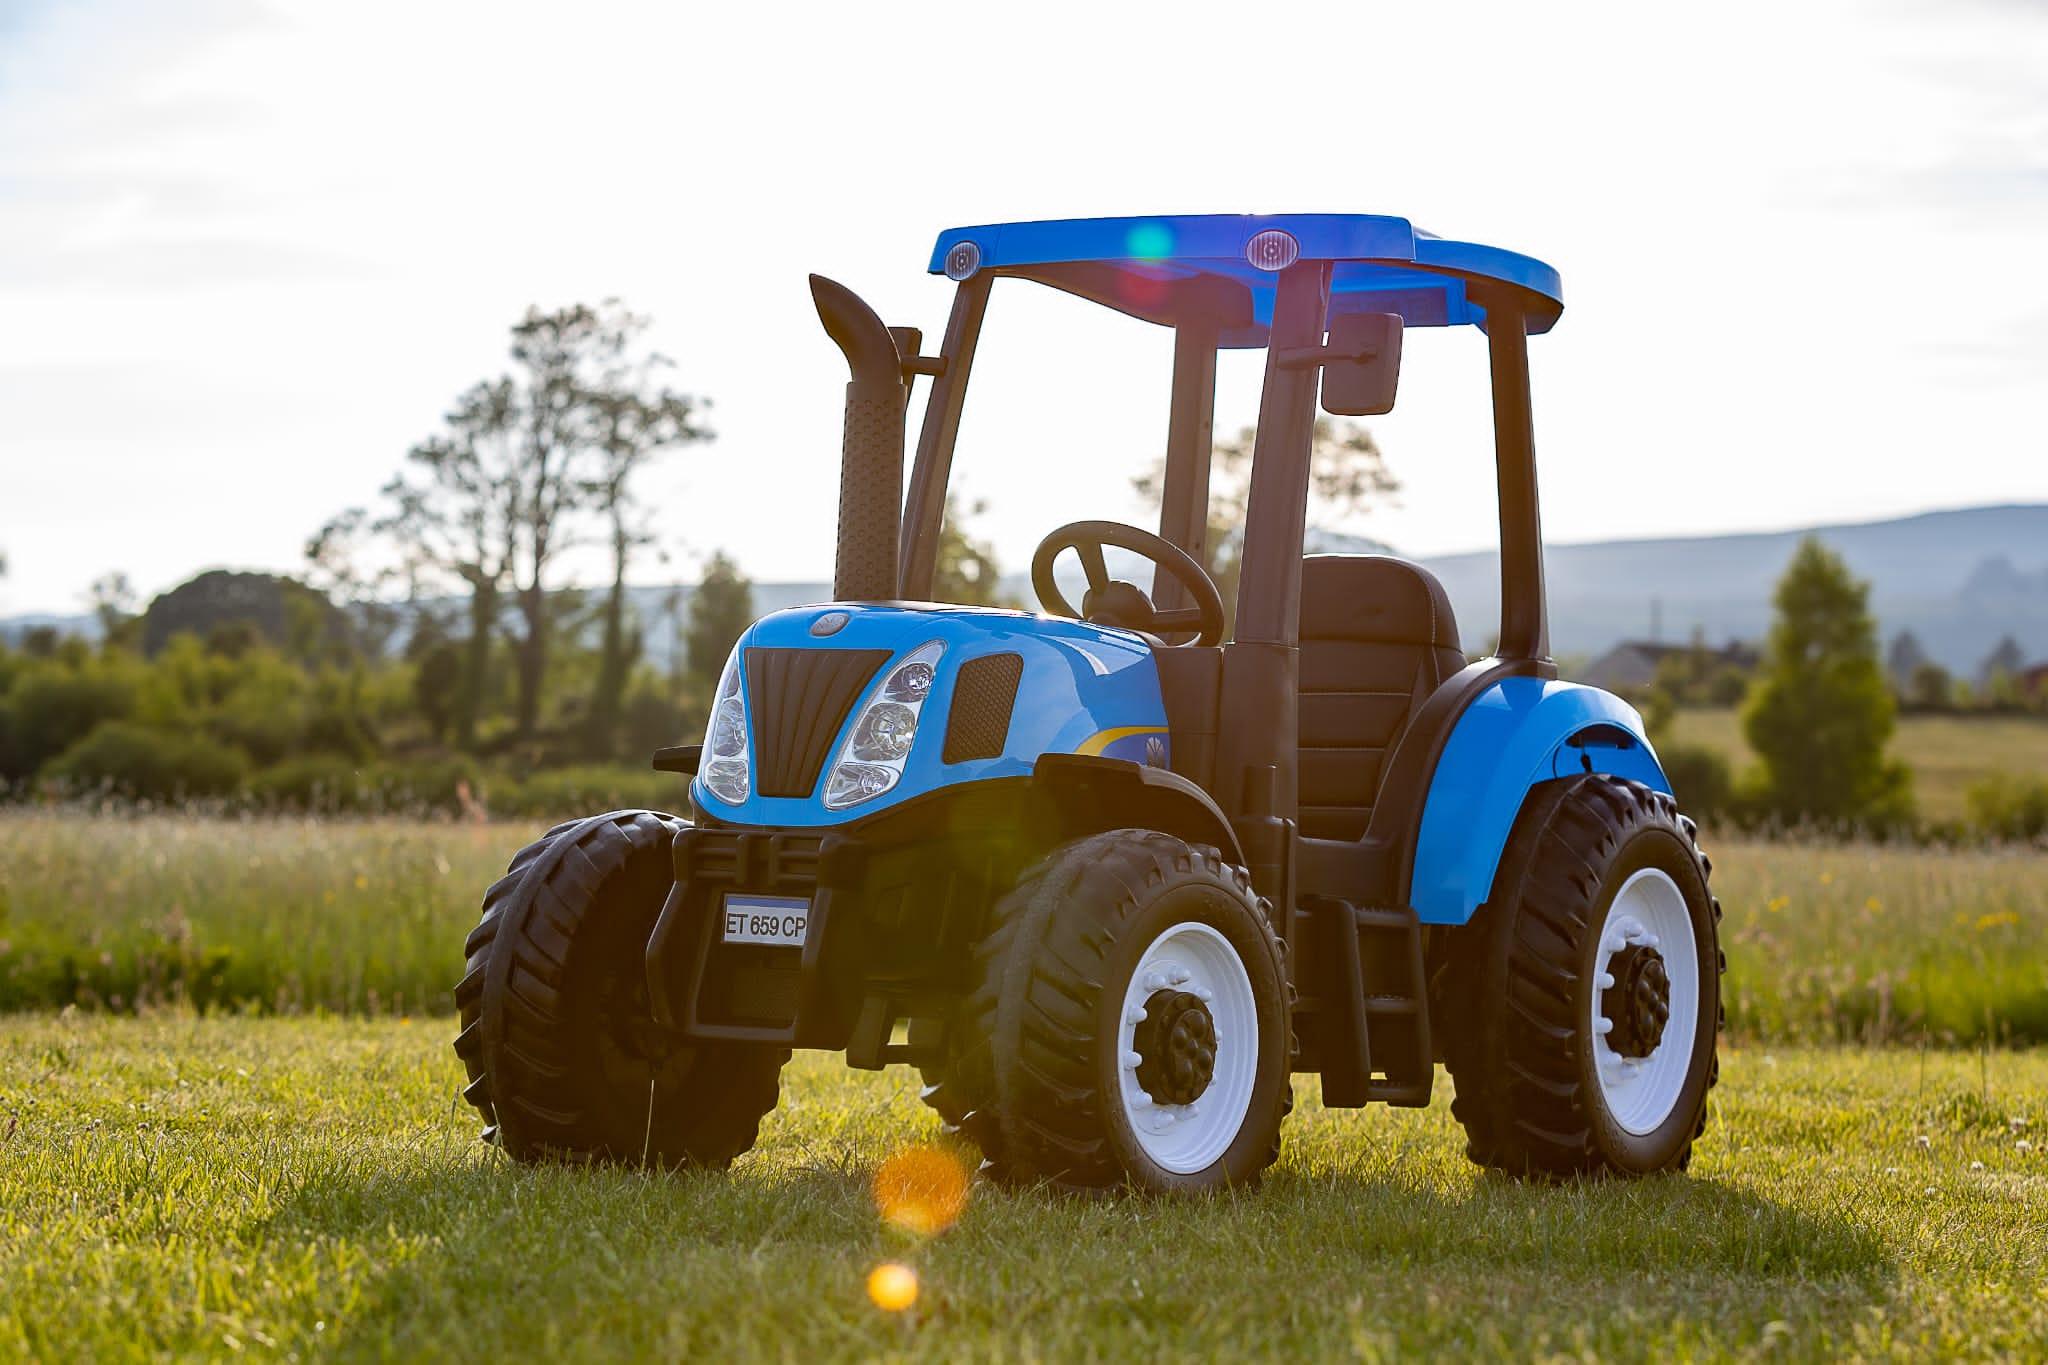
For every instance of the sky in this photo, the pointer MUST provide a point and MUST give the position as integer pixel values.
(249, 251)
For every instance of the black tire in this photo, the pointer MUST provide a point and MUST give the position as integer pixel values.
(564, 1059)
(1033, 1074)
(1515, 1000)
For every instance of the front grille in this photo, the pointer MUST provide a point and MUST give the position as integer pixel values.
(984, 694)
(798, 699)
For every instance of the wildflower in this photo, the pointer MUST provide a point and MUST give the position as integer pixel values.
(1922, 1142)
(2023, 1146)
(1976, 1165)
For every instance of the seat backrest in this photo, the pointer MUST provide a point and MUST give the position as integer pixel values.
(1377, 637)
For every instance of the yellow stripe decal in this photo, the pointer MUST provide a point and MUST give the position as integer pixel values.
(1102, 739)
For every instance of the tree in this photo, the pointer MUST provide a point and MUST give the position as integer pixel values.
(965, 569)
(1930, 688)
(2006, 661)
(113, 599)
(635, 418)
(722, 608)
(1821, 714)
(1903, 659)
(1348, 477)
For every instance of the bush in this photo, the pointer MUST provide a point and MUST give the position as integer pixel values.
(52, 708)
(125, 759)
(318, 784)
(2009, 807)
(1700, 779)
(562, 793)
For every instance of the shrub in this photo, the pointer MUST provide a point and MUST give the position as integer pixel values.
(317, 784)
(2009, 807)
(562, 793)
(125, 759)
(52, 708)
(1700, 779)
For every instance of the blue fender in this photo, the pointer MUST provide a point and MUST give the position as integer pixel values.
(1515, 734)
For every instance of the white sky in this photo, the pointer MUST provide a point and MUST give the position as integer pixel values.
(249, 251)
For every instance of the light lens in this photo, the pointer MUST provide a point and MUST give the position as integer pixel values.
(885, 732)
(1272, 250)
(963, 260)
(853, 783)
(728, 738)
(728, 768)
(910, 682)
(871, 761)
(727, 779)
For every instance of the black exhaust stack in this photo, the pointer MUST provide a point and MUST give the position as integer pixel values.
(871, 450)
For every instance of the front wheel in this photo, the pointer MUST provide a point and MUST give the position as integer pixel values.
(564, 1057)
(1581, 1005)
(1131, 1023)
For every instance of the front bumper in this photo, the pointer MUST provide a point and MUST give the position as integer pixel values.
(896, 904)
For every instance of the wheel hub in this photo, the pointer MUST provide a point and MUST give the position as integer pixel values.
(1638, 1004)
(1176, 1047)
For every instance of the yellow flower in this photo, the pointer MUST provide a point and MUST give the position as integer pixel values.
(1998, 920)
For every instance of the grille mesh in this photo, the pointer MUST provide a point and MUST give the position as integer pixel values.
(984, 694)
(798, 699)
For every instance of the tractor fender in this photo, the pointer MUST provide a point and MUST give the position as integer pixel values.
(1091, 794)
(1518, 732)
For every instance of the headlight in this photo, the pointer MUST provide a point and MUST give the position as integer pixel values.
(871, 761)
(727, 765)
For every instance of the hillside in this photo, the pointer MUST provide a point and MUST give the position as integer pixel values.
(1960, 580)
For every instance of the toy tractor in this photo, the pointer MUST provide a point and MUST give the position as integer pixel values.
(1105, 877)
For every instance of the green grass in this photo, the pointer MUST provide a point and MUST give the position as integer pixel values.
(1946, 753)
(1856, 943)
(177, 1186)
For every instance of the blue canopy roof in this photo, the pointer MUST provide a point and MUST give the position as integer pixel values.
(1159, 268)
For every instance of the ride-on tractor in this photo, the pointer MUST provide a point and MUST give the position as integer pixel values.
(1105, 877)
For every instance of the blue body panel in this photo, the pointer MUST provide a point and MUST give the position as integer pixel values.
(1084, 689)
(1382, 264)
(1512, 736)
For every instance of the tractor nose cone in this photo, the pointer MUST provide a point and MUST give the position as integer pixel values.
(1639, 1002)
(1176, 1046)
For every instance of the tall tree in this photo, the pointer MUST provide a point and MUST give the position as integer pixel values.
(1903, 659)
(1821, 714)
(722, 607)
(634, 417)
(451, 516)
(2005, 661)
(965, 569)
(1348, 477)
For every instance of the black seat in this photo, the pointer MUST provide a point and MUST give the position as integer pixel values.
(1377, 637)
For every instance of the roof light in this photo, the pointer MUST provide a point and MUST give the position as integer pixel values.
(1269, 250)
(963, 260)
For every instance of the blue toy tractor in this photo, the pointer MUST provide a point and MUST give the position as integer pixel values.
(1106, 877)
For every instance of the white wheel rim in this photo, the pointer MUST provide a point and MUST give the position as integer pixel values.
(1651, 911)
(1186, 1138)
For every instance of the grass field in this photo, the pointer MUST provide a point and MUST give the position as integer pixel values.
(174, 1185)
(1946, 753)
(1859, 943)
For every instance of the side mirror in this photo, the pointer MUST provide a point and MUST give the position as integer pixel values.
(1363, 364)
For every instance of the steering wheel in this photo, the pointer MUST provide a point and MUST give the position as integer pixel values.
(1206, 617)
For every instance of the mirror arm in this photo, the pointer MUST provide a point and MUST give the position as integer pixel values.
(1308, 357)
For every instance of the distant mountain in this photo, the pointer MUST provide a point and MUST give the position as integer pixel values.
(1959, 580)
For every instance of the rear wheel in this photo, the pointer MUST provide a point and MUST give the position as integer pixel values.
(1582, 1003)
(1130, 1023)
(563, 1055)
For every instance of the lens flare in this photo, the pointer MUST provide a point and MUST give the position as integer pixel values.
(893, 1287)
(921, 1190)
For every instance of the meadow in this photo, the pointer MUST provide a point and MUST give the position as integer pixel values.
(305, 1188)
(1857, 943)
(1946, 753)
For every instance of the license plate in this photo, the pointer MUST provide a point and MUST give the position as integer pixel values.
(780, 921)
